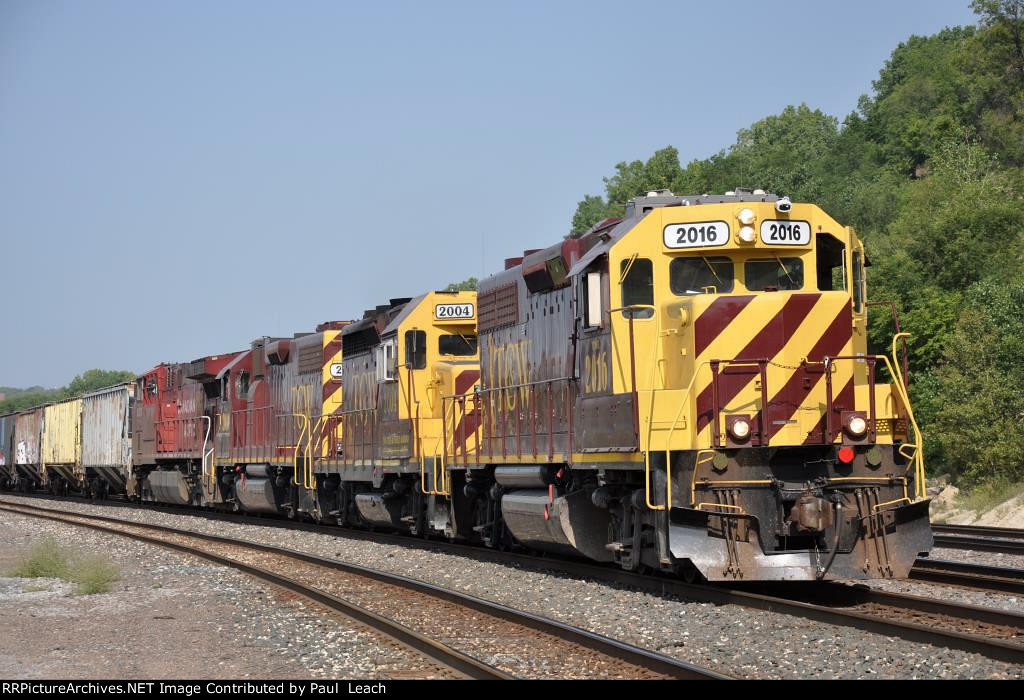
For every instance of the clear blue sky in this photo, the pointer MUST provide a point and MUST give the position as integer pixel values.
(180, 177)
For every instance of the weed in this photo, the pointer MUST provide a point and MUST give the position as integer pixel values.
(90, 574)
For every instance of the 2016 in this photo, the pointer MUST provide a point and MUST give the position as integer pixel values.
(704, 234)
(784, 232)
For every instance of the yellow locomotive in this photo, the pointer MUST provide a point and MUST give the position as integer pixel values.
(689, 388)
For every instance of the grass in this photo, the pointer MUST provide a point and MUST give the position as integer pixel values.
(985, 497)
(90, 574)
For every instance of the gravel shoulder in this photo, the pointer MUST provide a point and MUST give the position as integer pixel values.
(729, 639)
(169, 616)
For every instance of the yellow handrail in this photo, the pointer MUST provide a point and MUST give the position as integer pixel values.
(298, 445)
(918, 446)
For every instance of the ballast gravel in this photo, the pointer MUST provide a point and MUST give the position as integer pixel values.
(170, 616)
(730, 639)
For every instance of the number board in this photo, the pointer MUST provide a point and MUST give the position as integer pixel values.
(453, 311)
(778, 232)
(337, 370)
(700, 234)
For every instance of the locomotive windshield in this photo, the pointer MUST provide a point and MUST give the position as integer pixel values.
(459, 345)
(777, 273)
(703, 275)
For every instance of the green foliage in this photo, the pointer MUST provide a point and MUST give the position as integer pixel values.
(93, 379)
(44, 560)
(466, 285)
(89, 380)
(90, 574)
(929, 171)
(94, 574)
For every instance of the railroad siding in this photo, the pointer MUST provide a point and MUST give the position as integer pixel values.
(62, 433)
(106, 432)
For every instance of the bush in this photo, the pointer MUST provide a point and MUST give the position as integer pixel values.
(90, 574)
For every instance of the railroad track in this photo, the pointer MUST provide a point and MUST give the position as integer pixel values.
(993, 633)
(425, 619)
(1000, 579)
(980, 538)
(979, 531)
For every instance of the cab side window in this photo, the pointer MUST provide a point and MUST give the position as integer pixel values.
(858, 281)
(416, 349)
(638, 287)
(831, 263)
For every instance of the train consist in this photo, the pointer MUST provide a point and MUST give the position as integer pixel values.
(686, 389)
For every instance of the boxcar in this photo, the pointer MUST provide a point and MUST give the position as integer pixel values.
(107, 438)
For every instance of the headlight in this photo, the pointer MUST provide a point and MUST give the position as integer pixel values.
(746, 216)
(747, 234)
(740, 429)
(857, 425)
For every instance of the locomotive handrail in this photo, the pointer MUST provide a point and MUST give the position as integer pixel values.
(171, 422)
(212, 485)
(298, 446)
(668, 448)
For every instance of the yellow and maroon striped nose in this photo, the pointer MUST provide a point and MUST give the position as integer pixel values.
(783, 329)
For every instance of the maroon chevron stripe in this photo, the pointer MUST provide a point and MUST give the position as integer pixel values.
(845, 399)
(465, 380)
(784, 404)
(715, 319)
(765, 345)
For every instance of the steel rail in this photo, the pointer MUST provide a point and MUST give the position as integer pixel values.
(980, 544)
(643, 658)
(979, 530)
(834, 614)
(990, 578)
(464, 665)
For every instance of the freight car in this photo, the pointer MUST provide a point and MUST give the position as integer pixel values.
(28, 432)
(61, 459)
(106, 452)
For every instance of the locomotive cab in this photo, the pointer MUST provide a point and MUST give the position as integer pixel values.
(401, 362)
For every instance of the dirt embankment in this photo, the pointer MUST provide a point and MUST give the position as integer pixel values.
(949, 505)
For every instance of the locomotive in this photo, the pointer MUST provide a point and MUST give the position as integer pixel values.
(686, 389)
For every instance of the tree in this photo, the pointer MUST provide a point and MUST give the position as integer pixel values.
(466, 285)
(93, 379)
(89, 380)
